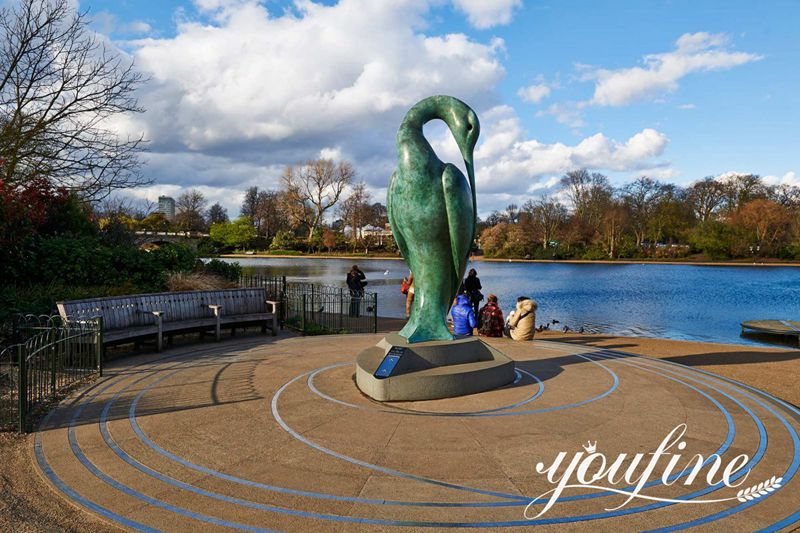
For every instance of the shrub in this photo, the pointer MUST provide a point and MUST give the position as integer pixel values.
(197, 281)
(223, 269)
(284, 240)
(235, 234)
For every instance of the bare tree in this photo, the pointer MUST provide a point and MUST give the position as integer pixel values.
(642, 197)
(314, 188)
(787, 195)
(512, 212)
(546, 217)
(59, 87)
(356, 210)
(217, 214)
(143, 207)
(705, 197)
(742, 188)
(268, 217)
(590, 195)
(250, 204)
(612, 226)
(190, 207)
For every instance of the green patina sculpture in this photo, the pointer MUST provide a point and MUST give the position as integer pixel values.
(432, 212)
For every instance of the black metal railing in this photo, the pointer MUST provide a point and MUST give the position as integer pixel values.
(317, 309)
(52, 358)
(320, 309)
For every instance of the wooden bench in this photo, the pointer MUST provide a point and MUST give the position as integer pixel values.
(126, 318)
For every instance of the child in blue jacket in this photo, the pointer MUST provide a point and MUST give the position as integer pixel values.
(463, 316)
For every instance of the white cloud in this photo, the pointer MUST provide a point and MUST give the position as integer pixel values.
(487, 13)
(790, 178)
(230, 103)
(694, 52)
(343, 70)
(687, 106)
(507, 162)
(534, 93)
(567, 113)
(137, 27)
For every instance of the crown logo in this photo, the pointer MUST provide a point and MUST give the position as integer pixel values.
(590, 446)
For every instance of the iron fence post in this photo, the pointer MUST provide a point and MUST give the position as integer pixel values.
(341, 309)
(375, 313)
(98, 343)
(53, 353)
(22, 387)
(313, 305)
(303, 319)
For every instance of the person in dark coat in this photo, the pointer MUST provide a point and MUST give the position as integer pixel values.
(463, 316)
(472, 288)
(490, 318)
(356, 283)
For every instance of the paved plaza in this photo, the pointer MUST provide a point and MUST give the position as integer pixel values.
(262, 433)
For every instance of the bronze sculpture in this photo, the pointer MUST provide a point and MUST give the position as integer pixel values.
(432, 212)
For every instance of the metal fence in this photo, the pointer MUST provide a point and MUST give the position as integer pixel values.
(51, 359)
(320, 309)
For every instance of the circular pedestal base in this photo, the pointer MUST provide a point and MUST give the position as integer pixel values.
(431, 370)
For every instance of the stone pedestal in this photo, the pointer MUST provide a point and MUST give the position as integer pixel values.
(431, 370)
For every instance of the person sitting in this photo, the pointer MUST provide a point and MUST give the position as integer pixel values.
(522, 321)
(463, 316)
(490, 318)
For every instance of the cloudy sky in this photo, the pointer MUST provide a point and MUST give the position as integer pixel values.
(672, 89)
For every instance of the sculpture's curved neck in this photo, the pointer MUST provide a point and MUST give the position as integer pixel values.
(425, 111)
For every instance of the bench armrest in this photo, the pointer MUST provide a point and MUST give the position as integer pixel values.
(158, 314)
(274, 305)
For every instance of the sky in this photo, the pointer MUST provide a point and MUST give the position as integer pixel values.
(672, 89)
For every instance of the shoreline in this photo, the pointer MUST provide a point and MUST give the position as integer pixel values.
(792, 264)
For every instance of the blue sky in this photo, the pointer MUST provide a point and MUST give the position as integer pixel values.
(674, 89)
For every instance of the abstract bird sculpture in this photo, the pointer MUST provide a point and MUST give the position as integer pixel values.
(432, 212)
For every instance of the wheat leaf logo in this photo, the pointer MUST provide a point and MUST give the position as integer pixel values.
(757, 491)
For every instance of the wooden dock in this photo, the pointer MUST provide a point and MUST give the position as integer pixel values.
(773, 327)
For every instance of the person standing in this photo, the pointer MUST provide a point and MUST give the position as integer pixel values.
(356, 281)
(463, 316)
(407, 288)
(472, 287)
(490, 318)
(521, 323)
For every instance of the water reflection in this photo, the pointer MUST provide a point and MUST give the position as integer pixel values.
(670, 301)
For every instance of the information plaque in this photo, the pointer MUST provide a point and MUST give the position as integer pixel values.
(389, 362)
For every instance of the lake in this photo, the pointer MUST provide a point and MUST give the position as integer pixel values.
(703, 303)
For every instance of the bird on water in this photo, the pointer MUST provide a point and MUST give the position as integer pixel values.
(432, 210)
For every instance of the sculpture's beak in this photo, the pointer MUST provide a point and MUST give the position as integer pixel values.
(471, 176)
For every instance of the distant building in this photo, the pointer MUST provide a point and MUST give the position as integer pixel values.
(166, 205)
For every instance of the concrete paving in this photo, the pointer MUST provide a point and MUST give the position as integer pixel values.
(265, 433)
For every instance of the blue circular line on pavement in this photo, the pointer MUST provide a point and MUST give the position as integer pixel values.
(721, 450)
(496, 524)
(358, 519)
(788, 474)
(415, 412)
(132, 418)
(78, 452)
(140, 433)
(71, 493)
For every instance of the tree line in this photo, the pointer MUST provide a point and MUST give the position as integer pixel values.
(735, 216)
(318, 206)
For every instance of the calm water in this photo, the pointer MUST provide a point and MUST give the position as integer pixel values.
(670, 301)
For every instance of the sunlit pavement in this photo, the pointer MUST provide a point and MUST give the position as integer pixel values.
(269, 433)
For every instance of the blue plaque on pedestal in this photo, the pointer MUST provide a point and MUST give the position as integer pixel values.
(389, 362)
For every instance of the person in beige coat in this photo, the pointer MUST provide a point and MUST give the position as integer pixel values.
(521, 323)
